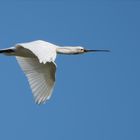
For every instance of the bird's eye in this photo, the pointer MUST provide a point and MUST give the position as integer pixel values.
(82, 50)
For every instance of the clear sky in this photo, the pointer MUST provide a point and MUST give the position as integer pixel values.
(97, 96)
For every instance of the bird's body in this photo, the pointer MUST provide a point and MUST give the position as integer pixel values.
(37, 60)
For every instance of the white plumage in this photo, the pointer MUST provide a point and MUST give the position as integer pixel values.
(36, 59)
(39, 70)
(41, 77)
(44, 51)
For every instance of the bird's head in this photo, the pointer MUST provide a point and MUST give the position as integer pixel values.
(83, 50)
(76, 50)
(79, 49)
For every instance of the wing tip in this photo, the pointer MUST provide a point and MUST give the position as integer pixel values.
(41, 101)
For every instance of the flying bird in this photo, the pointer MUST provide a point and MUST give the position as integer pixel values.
(37, 60)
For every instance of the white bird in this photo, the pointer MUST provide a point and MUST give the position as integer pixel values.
(37, 60)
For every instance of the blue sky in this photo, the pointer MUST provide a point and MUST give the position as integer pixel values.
(96, 96)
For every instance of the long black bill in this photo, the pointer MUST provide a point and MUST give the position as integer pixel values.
(96, 50)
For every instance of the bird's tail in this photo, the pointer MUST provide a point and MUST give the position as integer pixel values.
(8, 51)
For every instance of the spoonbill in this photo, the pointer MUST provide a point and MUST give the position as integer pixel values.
(37, 60)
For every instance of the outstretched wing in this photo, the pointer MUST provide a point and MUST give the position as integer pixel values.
(41, 77)
(44, 51)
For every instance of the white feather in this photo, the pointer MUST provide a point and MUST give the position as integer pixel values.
(37, 58)
(44, 51)
(41, 77)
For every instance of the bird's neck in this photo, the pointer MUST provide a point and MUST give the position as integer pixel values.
(66, 50)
